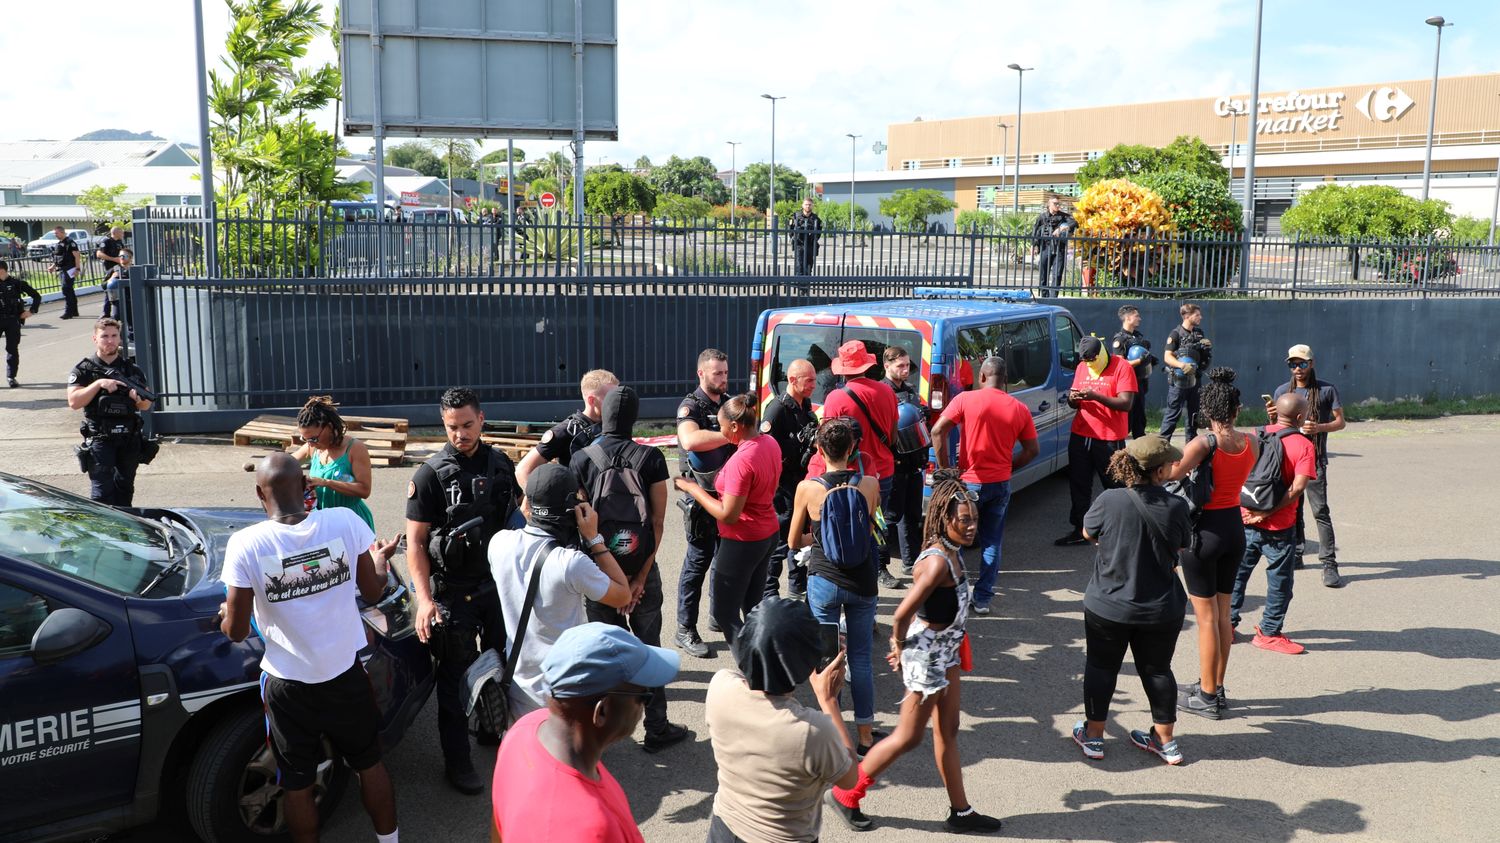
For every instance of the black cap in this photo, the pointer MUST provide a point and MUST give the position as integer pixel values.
(551, 493)
(1089, 347)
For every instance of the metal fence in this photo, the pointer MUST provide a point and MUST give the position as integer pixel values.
(1144, 264)
(37, 271)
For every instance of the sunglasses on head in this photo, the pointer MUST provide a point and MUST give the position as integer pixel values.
(1297, 364)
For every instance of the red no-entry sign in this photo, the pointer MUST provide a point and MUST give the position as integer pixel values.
(547, 200)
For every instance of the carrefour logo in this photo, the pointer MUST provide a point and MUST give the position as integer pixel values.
(1384, 104)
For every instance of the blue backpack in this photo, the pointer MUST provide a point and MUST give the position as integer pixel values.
(844, 528)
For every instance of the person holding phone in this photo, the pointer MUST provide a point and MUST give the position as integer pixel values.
(1325, 415)
(927, 637)
(775, 756)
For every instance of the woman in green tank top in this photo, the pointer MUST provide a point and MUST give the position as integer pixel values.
(338, 466)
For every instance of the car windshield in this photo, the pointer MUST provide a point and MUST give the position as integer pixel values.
(819, 344)
(86, 540)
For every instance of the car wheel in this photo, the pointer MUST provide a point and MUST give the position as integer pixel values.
(232, 794)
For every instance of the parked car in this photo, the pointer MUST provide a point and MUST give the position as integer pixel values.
(948, 332)
(47, 243)
(435, 215)
(122, 699)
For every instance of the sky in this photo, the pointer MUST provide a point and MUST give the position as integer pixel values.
(691, 73)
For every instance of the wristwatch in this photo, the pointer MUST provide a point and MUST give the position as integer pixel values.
(597, 540)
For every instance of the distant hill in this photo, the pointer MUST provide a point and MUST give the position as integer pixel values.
(118, 134)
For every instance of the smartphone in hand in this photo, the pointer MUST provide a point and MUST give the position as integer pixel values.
(828, 644)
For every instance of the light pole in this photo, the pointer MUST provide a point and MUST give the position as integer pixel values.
(1004, 150)
(1437, 22)
(1251, 121)
(1015, 201)
(1494, 212)
(1234, 122)
(734, 180)
(771, 205)
(852, 138)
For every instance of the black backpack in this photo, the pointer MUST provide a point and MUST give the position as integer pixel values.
(1265, 488)
(618, 493)
(1198, 486)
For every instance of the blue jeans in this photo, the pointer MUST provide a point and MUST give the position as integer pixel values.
(994, 499)
(826, 601)
(1279, 549)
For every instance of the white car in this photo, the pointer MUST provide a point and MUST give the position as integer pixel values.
(47, 243)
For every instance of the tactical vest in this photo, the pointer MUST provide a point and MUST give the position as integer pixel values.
(110, 413)
(465, 555)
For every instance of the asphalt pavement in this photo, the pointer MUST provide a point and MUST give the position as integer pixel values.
(1387, 729)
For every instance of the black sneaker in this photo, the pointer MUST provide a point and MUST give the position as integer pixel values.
(852, 817)
(1223, 698)
(14, 383)
(971, 823)
(1331, 576)
(689, 642)
(876, 736)
(1190, 699)
(886, 580)
(1072, 538)
(464, 780)
(670, 736)
(713, 624)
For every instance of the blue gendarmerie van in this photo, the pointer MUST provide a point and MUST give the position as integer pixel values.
(948, 332)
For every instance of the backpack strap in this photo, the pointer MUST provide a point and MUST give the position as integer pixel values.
(538, 559)
(879, 434)
(1156, 534)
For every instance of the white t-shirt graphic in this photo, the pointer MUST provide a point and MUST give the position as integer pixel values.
(303, 578)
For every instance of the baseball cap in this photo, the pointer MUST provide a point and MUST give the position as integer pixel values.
(1299, 352)
(552, 493)
(1152, 451)
(594, 658)
(1089, 347)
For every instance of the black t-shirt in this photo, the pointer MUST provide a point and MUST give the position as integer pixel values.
(1120, 345)
(1182, 341)
(631, 545)
(65, 256)
(697, 407)
(106, 406)
(13, 293)
(785, 418)
(111, 247)
(1132, 582)
(860, 580)
(559, 443)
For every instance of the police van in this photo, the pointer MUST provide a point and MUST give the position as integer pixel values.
(949, 333)
(120, 699)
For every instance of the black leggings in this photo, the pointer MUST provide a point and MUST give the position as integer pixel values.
(1218, 547)
(739, 582)
(1151, 645)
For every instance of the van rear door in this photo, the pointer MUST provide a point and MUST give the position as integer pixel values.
(816, 337)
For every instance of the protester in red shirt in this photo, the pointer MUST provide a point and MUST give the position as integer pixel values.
(746, 514)
(1274, 533)
(550, 783)
(1103, 390)
(990, 423)
(873, 405)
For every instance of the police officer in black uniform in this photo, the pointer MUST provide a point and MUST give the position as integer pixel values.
(573, 433)
(109, 251)
(804, 228)
(109, 389)
(1128, 337)
(13, 311)
(1050, 233)
(1185, 341)
(65, 264)
(455, 503)
(790, 421)
(903, 531)
(704, 450)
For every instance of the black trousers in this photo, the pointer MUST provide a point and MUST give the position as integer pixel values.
(695, 566)
(1182, 403)
(475, 611)
(1138, 411)
(1316, 497)
(796, 576)
(10, 326)
(644, 623)
(70, 298)
(1051, 261)
(903, 518)
(112, 476)
(1087, 458)
(806, 257)
(739, 578)
(1151, 645)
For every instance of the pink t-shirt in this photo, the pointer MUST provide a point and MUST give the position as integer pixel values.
(538, 799)
(752, 472)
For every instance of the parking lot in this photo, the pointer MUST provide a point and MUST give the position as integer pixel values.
(1387, 729)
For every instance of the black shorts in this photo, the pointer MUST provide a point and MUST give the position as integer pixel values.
(1210, 564)
(299, 715)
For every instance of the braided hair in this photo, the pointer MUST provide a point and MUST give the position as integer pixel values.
(319, 411)
(1219, 400)
(948, 493)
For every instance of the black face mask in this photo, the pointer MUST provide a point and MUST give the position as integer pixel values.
(778, 648)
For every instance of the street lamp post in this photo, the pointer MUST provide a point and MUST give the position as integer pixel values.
(1251, 121)
(1234, 122)
(734, 180)
(852, 138)
(1494, 212)
(1437, 22)
(1015, 201)
(771, 205)
(1004, 150)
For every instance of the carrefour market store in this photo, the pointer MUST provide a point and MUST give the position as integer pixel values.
(1366, 134)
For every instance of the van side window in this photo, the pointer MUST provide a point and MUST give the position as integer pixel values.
(21, 612)
(1028, 353)
(1068, 336)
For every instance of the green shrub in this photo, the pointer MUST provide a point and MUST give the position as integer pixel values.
(689, 209)
(976, 222)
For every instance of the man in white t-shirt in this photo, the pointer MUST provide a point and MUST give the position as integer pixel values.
(298, 571)
(559, 523)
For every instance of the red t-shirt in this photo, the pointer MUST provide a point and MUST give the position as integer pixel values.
(1301, 458)
(1094, 420)
(752, 472)
(882, 403)
(991, 422)
(539, 799)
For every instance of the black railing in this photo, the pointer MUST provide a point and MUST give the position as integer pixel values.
(38, 272)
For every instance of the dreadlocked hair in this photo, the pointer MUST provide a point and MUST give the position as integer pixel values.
(1123, 469)
(948, 491)
(1312, 391)
(1219, 400)
(320, 410)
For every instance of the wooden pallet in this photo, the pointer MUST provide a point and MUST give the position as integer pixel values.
(513, 445)
(511, 427)
(386, 438)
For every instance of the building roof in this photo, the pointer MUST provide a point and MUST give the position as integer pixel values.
(103, 153)
(138, 181)
(48, 213)
(19, 173)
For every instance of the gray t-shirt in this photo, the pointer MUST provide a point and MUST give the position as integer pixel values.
(1132, 581)
(568, 576)
(1328, 402)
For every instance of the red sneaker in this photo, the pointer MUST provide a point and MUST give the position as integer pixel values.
(1278, 644)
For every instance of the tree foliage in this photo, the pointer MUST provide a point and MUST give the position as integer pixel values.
(614, 192)
(1367, 210)
(458, 153)
(1186, 154)
(689, 177)
(685, 208)
(836, 215)
(105, 207)
(755, 184)
(911, 208)
(498, 156)
(414, 155)
(1198, 205)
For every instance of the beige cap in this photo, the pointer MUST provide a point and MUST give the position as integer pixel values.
(1301, 351)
